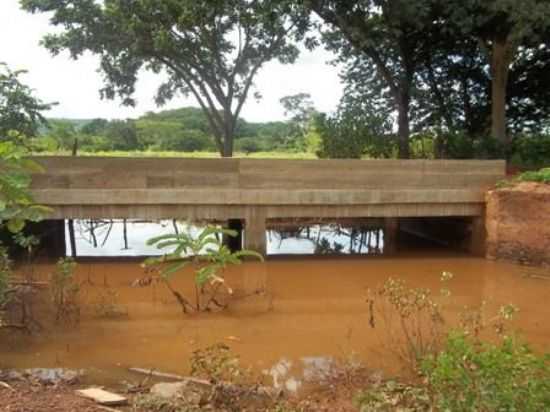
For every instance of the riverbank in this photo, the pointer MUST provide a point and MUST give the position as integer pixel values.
(518, 223)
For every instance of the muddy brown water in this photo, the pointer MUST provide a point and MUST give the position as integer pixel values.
(310, 310)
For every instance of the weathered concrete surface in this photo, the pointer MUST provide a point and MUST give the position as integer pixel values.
(518, 223)
(254, 191)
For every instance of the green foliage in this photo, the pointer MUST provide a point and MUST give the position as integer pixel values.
(340, 139)
(64, 290)
(205, 253)
(412, 319)
(468, 376)
(540, 176)
(16, 203)
(219, 363)
(20, 110)
(5, 274)
(531, 150)
(459, 145)
(211, 50)
(248, 145)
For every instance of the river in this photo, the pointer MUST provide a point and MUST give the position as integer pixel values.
(296, 312)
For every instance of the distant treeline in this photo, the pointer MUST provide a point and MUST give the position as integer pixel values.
(185, 130)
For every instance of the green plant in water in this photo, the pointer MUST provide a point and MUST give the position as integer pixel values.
(107, 306)
(471, 376)
(5, 274)
(65, 290)
(206, 255)
(218, 363)
(412, 318)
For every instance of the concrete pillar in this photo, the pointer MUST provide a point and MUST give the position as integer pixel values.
(478, 236)
(391, 231)
(255, 230)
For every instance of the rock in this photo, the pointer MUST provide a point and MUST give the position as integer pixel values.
(103, 397)
(45, 376)
(168, 390)
(193, 391)
(222, 394)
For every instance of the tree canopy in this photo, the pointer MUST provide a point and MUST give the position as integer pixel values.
(211, 50)
(20, 110)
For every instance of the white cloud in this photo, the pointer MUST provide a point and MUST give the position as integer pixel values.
(75, 84)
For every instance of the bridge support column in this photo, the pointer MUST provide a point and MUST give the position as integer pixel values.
(478, 236)
(255, 230)
(391, 230)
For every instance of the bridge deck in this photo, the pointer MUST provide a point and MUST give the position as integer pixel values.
(256, 189)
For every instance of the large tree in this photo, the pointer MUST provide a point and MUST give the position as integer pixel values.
(210, 49)
(503, 29)
(390, 35)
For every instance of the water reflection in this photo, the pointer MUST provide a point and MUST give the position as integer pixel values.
(123, 238)
(326, 239)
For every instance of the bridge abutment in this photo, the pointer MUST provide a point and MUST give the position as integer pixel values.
(478, 236)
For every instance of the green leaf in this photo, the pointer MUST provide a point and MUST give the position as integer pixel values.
(170, 270)
(15, 225)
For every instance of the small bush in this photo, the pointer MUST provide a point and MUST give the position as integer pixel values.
(219, 363)
(471, 376)
(248, 145)
(540, 176)
(531, 151)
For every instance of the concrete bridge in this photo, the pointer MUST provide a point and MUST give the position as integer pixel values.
(257, 191)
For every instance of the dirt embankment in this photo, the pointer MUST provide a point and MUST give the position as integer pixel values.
(518, 223)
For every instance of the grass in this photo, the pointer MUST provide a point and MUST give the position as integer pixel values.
(540, 176)
(537, 176)
(198, 155)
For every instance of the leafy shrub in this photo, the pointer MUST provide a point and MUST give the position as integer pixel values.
(340, 138)
(540, 176)
(531, 151)
(217, 362)
(412, 319)
(469, 376)
(458, 145)
(248, 145)
(16, 203)
(208, 257)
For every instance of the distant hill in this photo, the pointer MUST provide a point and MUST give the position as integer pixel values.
(184, 129)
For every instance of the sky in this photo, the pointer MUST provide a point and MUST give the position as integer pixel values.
(75, 84)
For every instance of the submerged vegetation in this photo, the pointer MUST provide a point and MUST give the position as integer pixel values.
(64, 290)
(206, 255)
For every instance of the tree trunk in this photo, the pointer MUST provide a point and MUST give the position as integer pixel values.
(403, 131)
(227, 146)
(500, 68)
